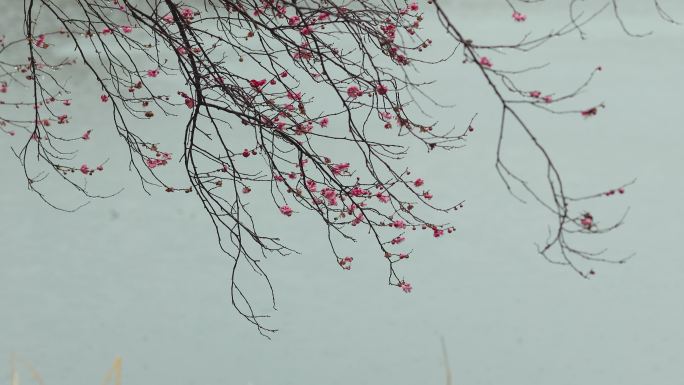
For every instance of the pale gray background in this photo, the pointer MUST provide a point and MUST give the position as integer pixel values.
(141, 276)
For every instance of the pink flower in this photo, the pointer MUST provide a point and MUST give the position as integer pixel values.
(40, 41)
(418, 182)
(190, 103)
(104, 98)
(358, 192)
(293, 20)
(484, 60)
(152, 73)
(257, 83)
(400, 224)
(406, 287)
(340, 168)
(381, 89)
(354, 92)
(86, 135)
(358, 219)
(535, 94)
(127, 29)
(308, 30)
(188, 13)
(589, 112)
(346, 262)
(84, 168)
(286, 210)
(382, 197)
(519, 17)
(548, 98)
(587, 221)
(294, 95)
(413, 6)
(106, 31)
(330, 195)
(324, 122)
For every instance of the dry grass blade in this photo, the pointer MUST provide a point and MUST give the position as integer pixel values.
(447, 368)
(114, 373)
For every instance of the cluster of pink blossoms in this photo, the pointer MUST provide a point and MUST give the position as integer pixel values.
(538, 95)
(292, 100)
(161, 159)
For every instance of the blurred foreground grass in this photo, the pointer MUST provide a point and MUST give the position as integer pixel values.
(113, 376)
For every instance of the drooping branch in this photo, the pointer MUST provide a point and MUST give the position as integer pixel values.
(314, 103)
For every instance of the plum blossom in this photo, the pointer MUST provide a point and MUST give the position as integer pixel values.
(484, 61)
(384, 198)
(286, 210)
(330, 195)
(400, 224)
(406, 287)
(587, 221)
(519, 17)
(397, 240)
(340, 168)
(358, 192)
(381, 89)
(345, 262)
(354, 92)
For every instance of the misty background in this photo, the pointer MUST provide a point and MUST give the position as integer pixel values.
(142, 277)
